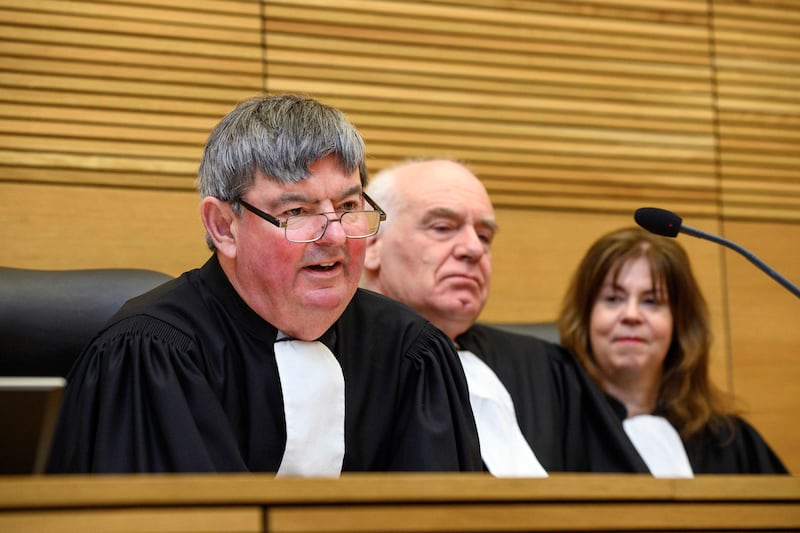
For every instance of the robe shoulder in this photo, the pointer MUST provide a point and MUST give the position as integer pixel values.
(561, 412)
(735, 449)
(184, 379)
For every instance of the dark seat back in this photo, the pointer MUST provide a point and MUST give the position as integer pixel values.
(544, 330)
(47, 316)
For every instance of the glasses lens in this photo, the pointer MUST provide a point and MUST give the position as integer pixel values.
(360, 223)
(305, 228)
(309, 228)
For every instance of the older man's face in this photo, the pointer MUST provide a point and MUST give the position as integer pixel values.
(435, 251)
(301, 288)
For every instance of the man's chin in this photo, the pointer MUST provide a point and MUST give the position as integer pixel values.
(327, 299)
(466, 310)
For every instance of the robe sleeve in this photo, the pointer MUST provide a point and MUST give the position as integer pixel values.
(434, 429)
(604, 445)
(742, 452)
(136, 402)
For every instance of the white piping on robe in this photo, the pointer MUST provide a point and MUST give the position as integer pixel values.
(659, 445)
(504, 449)
(313, 397)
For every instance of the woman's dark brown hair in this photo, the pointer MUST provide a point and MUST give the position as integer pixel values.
(686, 396)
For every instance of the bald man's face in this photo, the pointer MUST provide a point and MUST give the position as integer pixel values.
(434, 254)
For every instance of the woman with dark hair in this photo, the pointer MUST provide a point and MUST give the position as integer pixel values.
(634, 316)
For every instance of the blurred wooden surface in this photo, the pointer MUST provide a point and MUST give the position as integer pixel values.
(398, 502)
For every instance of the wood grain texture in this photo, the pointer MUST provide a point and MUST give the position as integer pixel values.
(399, 502)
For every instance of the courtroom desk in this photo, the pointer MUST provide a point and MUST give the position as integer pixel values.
(397, 502)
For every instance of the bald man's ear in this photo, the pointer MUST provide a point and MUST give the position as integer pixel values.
(372, 259)
(221, 224)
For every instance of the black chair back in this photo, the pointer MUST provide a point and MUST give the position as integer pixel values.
(47, 316)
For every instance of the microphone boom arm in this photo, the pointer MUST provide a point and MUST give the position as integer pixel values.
(750, 256)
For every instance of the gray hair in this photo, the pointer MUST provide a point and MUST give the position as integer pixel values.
(278, 136)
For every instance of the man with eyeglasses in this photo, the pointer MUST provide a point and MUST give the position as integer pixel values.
(269, 358)
(536, 410)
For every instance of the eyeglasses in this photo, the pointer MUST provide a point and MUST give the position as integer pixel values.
(309, 228)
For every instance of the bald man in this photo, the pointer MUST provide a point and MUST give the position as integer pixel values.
(535, 409)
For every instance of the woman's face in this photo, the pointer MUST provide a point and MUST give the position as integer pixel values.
(630, 326)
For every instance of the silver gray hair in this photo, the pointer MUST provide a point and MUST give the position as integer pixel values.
(278, 137)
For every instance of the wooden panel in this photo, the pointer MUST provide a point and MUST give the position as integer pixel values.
(538, 517)
(87, 227)
(127, 90)
(402, 502)
(154, 520)
(765, 339)
(531, 94)
(144, 490)
(758, 81)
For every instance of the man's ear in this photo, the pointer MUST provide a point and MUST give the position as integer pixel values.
(372, 258)
(220, 223)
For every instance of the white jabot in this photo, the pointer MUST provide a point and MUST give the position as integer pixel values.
(504, 449)
(313, 396)
(659, 445)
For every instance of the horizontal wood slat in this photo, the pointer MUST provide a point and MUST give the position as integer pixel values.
(646, 106)
(668, 8)
(758, 80)
(92, 71)
(463, 20)
(102, 19)
(120, 93)
(589, 95)
(500, 49)
(552, 106)
(111, 103)
(94, 172)
(412, 55)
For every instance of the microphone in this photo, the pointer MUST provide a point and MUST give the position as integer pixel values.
(668, 224)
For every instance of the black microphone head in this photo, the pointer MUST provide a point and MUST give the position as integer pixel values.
(658, 221)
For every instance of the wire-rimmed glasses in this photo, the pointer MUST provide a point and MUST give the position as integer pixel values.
(309, 228)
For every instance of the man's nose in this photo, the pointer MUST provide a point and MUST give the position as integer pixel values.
(469, 246)
(334, 232)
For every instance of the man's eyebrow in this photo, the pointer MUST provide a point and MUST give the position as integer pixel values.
(299, 197)
(440, 212)
(350, 191)
(292, 197)
(490, 223)
(446, 212)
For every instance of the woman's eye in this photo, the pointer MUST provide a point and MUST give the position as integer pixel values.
(653, 300)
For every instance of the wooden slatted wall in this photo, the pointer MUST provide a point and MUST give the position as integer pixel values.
(559, 105)
(120, 94)
(757, 52)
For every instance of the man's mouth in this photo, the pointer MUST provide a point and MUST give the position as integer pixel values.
(462, 277)
(323, 267)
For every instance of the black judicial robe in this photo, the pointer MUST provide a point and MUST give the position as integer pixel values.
(738, 449)
(184, 379)
(562, 414)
